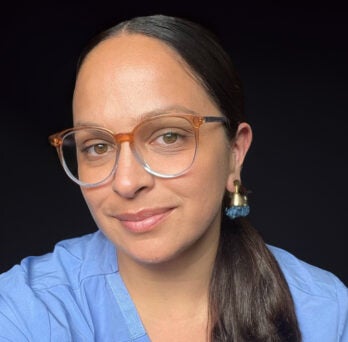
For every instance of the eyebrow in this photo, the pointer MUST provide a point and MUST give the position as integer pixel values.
(147, 115)
(166, 110)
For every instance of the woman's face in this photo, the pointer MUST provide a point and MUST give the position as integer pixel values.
(150, 219)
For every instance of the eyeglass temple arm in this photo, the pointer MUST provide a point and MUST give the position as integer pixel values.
(222, 119)
(216, 119)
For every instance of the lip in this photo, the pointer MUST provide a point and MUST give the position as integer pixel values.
(143, 221)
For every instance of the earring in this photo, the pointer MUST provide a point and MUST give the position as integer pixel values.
(239, 203)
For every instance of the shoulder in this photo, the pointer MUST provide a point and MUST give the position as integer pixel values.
(70, 261)
(38, 296)
(305, 277)
(320, 297)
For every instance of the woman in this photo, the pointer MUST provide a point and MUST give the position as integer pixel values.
(158, 144)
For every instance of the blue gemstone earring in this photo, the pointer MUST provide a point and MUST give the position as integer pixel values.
(239, 203)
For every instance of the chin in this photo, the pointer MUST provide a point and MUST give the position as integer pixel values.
(152, 257)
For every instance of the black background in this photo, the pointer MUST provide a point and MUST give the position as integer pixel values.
(293, 62)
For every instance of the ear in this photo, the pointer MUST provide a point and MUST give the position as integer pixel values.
(239, 147)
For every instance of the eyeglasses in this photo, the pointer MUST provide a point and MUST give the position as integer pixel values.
(165, 146)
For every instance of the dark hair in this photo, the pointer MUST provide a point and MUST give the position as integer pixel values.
(249, 297)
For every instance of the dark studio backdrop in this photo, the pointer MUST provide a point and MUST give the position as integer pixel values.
(293, 62)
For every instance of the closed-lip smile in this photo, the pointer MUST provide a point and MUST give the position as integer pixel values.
(144, 220)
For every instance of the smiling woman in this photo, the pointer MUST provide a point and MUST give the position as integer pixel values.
(157, 147)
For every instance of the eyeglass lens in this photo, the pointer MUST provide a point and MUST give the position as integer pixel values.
(165, 147)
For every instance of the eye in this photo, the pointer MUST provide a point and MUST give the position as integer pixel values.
(99, 148)
(170, 137)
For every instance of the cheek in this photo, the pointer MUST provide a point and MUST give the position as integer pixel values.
(205, 184)
(94, 199)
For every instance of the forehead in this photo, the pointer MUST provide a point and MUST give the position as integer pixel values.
(133, 73)
(131, 53)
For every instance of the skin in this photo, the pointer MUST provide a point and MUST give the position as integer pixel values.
(122, 80)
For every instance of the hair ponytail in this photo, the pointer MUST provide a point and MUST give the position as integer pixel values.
(249, 297)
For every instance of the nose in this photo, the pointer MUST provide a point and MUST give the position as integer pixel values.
(130, 176)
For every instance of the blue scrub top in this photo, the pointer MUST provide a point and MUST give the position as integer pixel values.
(77, 294)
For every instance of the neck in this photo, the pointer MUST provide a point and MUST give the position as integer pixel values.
(177, 287)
